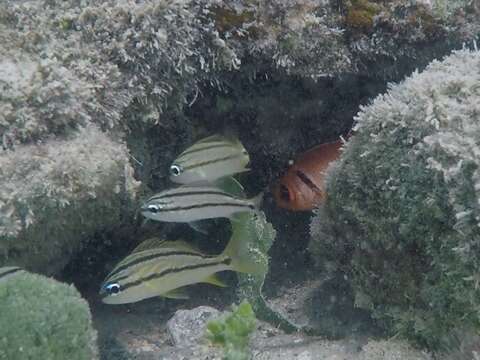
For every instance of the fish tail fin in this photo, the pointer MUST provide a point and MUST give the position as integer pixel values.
(257, 200)
(239, 250)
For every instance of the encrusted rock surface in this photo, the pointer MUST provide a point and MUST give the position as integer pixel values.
(402, 220)
(187, 327)
(140, 333)
(268, 344)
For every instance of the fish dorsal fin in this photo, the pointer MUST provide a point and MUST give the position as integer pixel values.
(149, 244)
(156, 243)
(214, 280)
(213, 138)
(228, 138)
(181, 245)
(178, 293)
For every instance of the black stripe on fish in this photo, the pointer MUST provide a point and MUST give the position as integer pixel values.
(157, 256)
(11, 271)
(199, 206)
(208, 162)
(163, 273)
(208, 147)
(188, 193)
(306, 180)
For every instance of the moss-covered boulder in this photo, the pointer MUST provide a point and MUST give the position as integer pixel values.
(55, 196)
(403, 215)
(43, 319)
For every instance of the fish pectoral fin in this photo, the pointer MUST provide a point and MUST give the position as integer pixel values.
(214, 280)
(179, 293)
(200, 225)
(230, 185)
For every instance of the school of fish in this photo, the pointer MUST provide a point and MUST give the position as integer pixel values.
(160, 267)
(163, 267)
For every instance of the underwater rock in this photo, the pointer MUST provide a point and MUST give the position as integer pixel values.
(54, 196)
(43, 319)
(467, 346)
(187, 327)
(296, 347)
(390, 39)
(318, 39)
(141, 334)
(68, 73)
(402, 219)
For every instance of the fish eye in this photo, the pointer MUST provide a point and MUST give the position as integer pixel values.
(112, 289)
(284, 193)
(153, 208)
(175, 170)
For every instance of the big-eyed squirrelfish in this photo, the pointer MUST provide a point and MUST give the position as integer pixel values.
(303, 185)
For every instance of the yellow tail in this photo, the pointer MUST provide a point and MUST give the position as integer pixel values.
(242, 249)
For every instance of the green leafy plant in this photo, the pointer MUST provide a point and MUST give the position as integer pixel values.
(259, 235)
(232, 331)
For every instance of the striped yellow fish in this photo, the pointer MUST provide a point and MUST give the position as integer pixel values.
(209, 159)
(192, 203)
(162, 268)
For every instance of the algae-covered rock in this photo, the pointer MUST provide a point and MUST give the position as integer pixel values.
(56, 195)
(187, 327)
(318, 39)
(403, 215)
(43, 319)
(76, 81)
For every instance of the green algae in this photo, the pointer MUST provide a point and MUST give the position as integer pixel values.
(260, 235)
(232, 331)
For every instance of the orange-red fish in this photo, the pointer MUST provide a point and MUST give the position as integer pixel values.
(303, 186)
